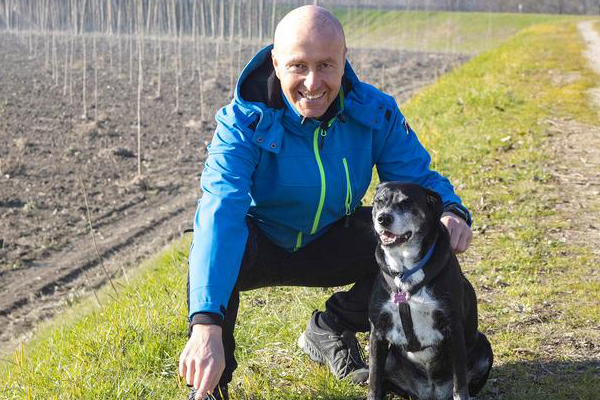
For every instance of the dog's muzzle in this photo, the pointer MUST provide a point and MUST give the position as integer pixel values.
(388, 238)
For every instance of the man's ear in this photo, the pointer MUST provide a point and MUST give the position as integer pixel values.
(435, 204)
(275, 63)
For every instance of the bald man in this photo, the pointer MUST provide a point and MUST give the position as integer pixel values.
(290, 161)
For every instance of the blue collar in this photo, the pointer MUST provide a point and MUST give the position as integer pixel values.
(407, 273)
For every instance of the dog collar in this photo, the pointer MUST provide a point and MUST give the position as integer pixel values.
(407, 273)
(401, 297)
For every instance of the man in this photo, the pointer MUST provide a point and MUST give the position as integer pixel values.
(290, 160)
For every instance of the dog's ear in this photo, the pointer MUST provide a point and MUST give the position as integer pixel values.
(434, 201)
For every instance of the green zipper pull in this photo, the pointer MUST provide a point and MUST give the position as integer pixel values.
(316, 136)
(322, 135)
(298, 241)
(348, 202)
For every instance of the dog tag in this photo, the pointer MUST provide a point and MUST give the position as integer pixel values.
(400, 297)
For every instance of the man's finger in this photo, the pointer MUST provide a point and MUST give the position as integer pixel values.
(199, 374)
(462, 243)
(182, 366)
(454, 237)
(210, 380)
(191, 370)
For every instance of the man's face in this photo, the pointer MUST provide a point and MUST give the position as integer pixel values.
(310, 67)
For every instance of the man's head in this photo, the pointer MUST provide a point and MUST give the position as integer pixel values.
(309, 57)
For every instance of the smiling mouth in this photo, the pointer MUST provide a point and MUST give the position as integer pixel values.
(388, 238)
(307, 96)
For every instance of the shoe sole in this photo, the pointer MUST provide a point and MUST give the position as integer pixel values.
(310, 350)
(316, 356)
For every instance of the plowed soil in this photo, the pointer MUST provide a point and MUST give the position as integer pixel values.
(52, 157)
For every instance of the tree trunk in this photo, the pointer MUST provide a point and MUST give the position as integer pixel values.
(140, 41)
(273, 9)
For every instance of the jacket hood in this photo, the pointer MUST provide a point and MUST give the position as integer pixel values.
(258, 95)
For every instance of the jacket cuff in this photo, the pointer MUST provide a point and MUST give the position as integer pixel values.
(459, 211)
(205, 318)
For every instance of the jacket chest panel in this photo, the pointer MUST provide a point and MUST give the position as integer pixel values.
(338, 165)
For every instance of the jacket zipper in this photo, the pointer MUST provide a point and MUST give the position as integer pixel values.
(318, 141)
(348, 202)
(317, 134)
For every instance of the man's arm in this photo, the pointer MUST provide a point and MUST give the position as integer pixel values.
(401, 157)
(220, 234)
(202, 361)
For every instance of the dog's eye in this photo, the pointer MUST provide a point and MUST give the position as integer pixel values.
(404, 205)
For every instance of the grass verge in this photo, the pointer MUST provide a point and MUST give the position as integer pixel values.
(454, 32)
(485, 125)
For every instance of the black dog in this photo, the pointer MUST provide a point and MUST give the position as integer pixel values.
(424, 340)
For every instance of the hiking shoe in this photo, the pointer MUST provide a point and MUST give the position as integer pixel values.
(340, 351)
(220, 393)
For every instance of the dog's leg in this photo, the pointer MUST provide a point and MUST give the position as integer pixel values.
(378, 348)
(459, 362)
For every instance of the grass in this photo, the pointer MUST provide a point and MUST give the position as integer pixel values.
(485, 125)
(455, 32)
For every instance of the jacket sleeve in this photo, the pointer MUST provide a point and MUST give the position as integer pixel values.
(402, 158)
(220, 230)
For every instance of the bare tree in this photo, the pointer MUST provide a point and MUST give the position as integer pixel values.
(140, 43)
(212, 18)
(273, 9)
(83, 42)
(261, 7)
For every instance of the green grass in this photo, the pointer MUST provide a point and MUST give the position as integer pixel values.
(484, 124)
(456, 32)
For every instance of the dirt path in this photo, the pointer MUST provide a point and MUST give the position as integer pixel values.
(576, 165)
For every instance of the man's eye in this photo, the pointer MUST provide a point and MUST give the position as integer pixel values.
(325, 65)
(296, 67)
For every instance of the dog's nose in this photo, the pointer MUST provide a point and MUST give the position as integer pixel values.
(384, 219)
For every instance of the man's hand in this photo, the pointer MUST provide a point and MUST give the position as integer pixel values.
(202, 361)
(460, 233)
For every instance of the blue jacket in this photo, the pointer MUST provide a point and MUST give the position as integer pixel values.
(293, 177)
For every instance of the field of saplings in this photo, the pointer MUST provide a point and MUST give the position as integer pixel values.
(104, 119)
(106, 110)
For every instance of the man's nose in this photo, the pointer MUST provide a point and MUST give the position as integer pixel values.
(312, 81)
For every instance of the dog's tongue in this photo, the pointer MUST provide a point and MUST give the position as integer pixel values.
(387, 237)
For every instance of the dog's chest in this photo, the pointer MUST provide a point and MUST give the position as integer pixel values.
(422, 313)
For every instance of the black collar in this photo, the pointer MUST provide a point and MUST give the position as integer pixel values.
(432, 264)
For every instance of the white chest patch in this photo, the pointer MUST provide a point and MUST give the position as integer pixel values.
(396, 334)
(422, 306)
(398, 259)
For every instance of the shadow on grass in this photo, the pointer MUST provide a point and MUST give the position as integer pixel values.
(532, 380)
(537, 380)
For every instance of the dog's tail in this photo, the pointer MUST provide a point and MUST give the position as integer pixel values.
(480, 360)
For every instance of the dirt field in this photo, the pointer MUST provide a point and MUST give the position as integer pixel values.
(51, 159)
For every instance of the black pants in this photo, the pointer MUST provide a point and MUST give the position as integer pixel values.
(344, 255)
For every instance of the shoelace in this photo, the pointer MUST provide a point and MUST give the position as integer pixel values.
(352, 346)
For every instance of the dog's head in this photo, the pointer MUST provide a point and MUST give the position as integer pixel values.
(405, 213)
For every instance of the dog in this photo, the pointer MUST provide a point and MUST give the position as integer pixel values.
(424, 341)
